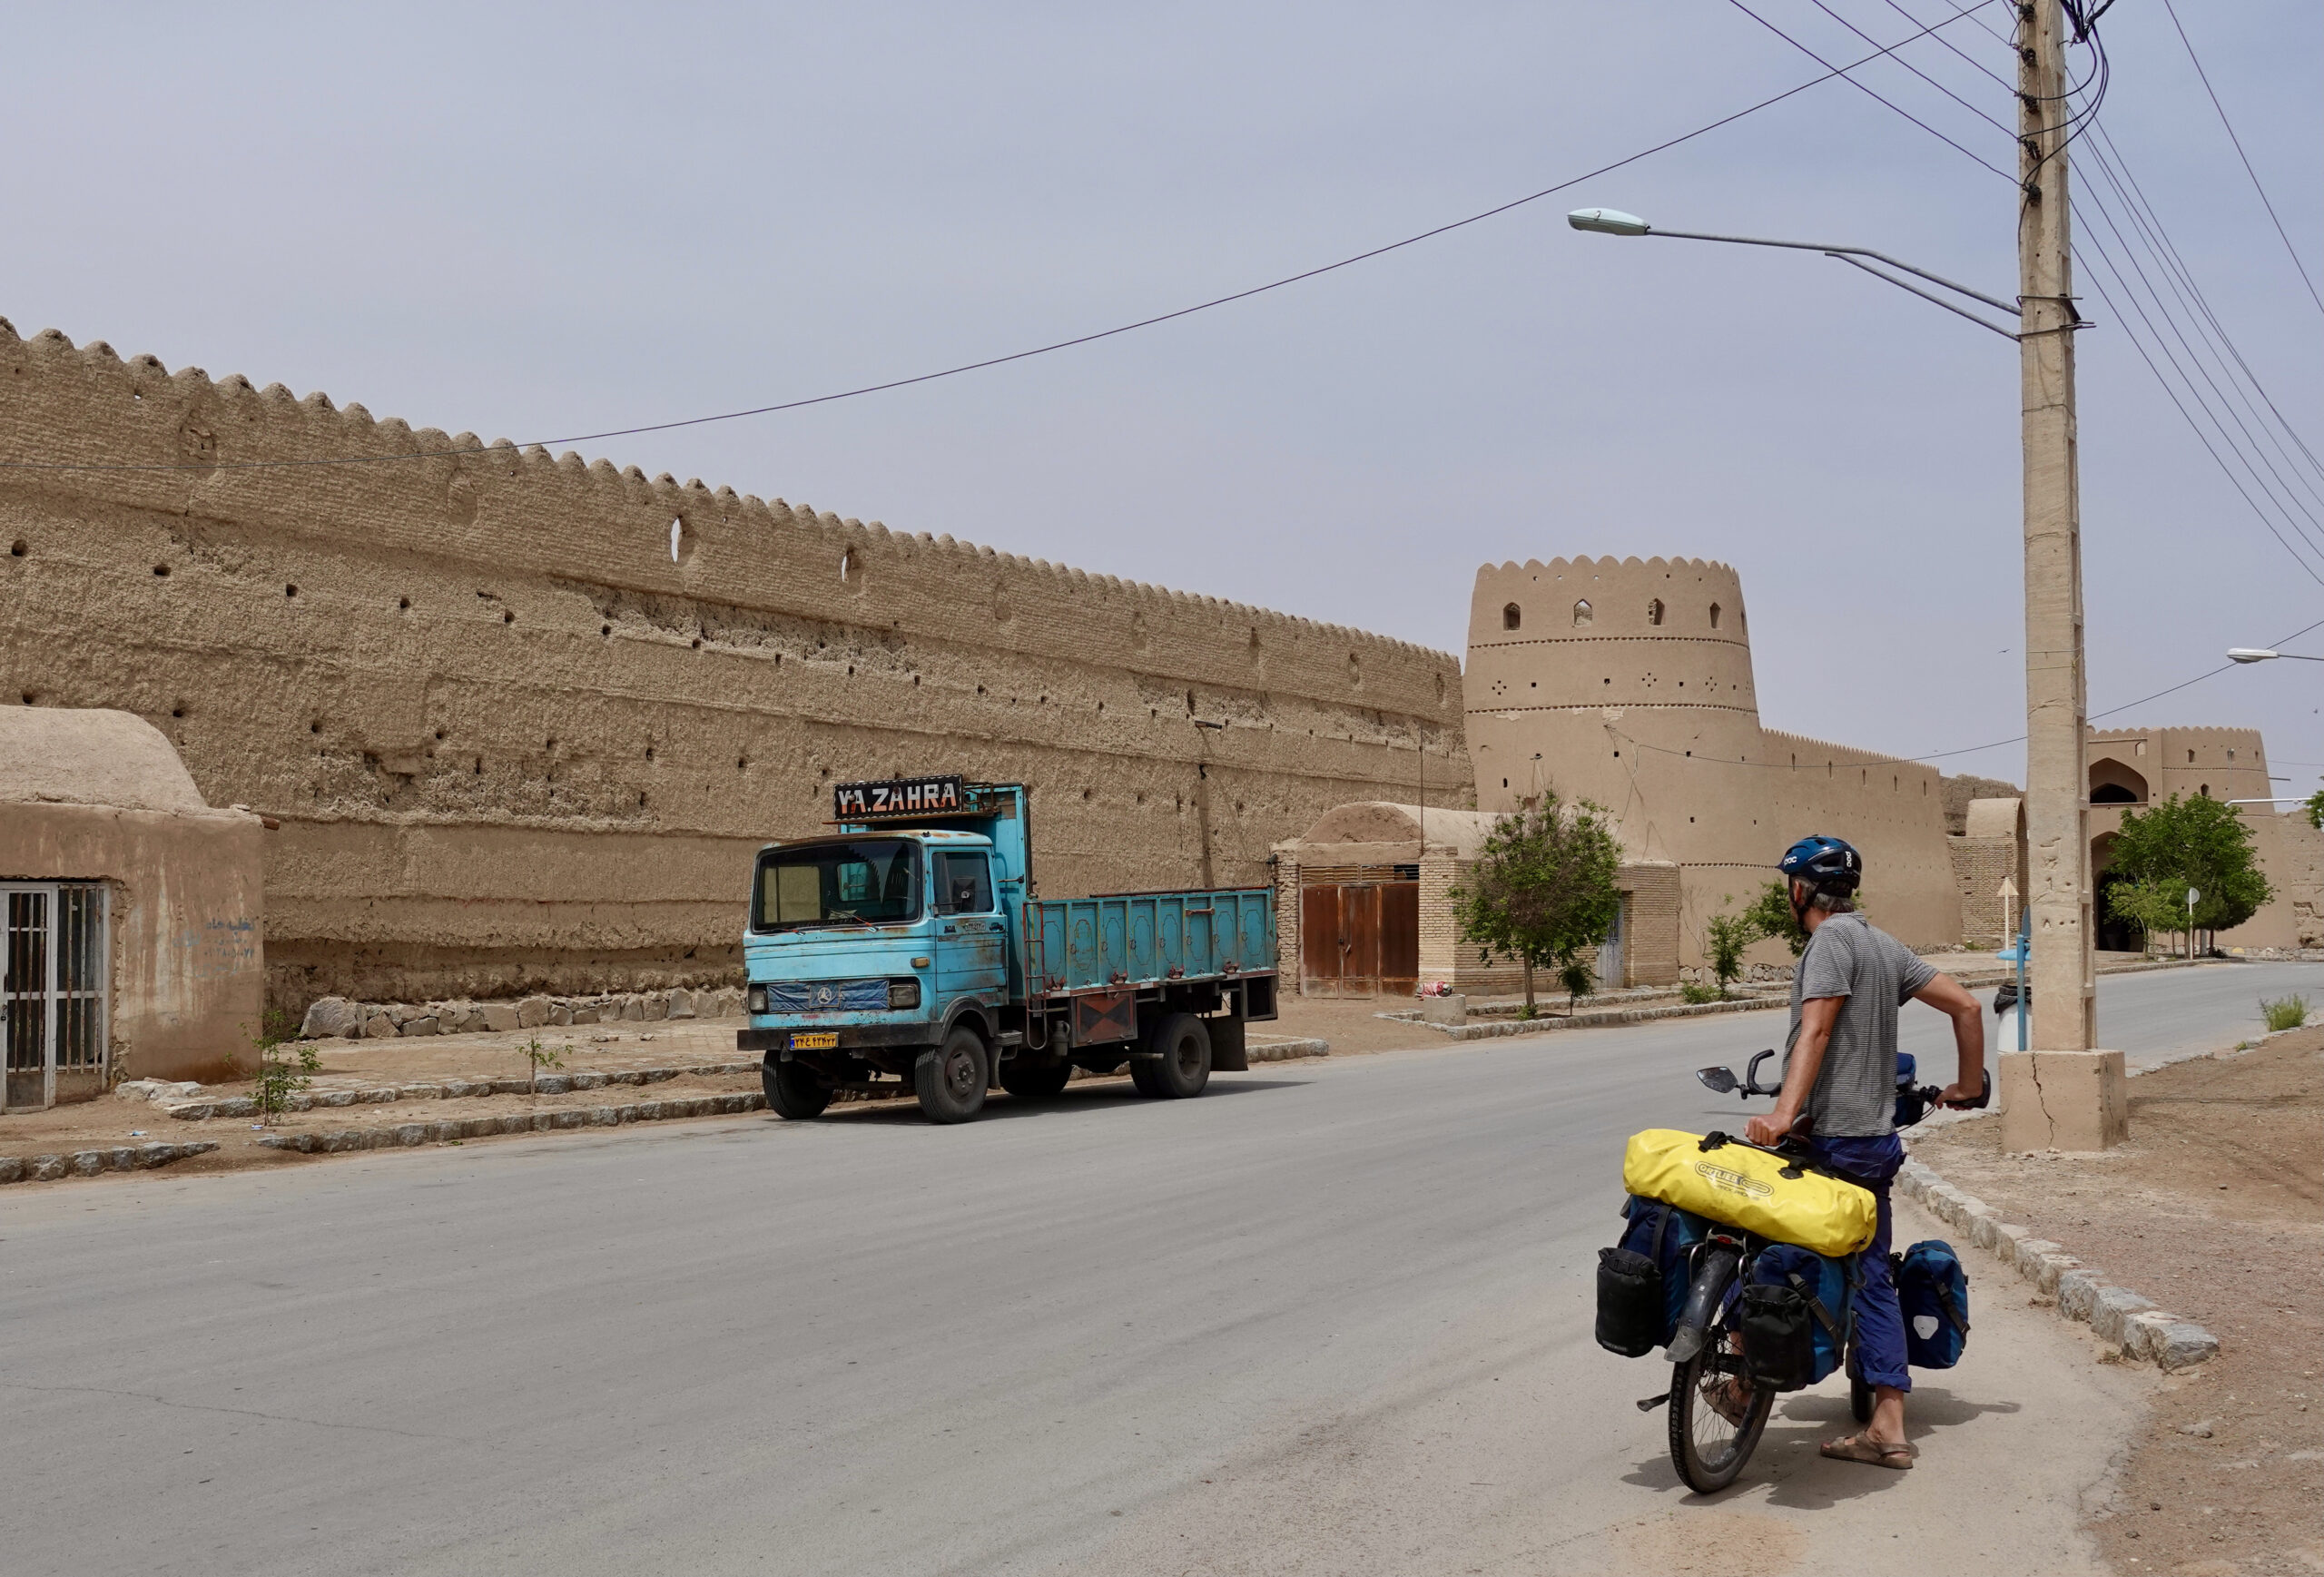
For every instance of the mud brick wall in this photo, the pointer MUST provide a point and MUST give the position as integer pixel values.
(525, 717)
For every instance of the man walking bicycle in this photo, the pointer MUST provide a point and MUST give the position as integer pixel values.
(1839, 1092)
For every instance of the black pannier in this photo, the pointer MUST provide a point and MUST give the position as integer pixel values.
(1779, 1337)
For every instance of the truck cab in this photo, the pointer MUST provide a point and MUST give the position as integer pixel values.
(905, 952)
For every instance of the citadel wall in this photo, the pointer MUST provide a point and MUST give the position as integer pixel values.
(524, 718)
(1630, 683)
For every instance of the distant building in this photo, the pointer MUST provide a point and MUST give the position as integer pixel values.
(2129, 768)
(132, 911)
(1629, 682)
(1364, 908)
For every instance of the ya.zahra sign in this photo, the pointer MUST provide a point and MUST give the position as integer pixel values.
(903, 796)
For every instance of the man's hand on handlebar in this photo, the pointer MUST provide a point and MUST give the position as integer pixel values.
(1959, 1094)
(1771, 1128)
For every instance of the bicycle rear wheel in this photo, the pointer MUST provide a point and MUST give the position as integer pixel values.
(1708, 1447)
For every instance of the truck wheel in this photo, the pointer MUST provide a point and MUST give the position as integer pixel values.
(951, 1080)
(792, 1092)
(1029, 1080)
(1183, 1067)
(1144, 1078)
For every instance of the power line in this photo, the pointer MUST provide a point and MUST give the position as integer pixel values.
(1860, 87)
(2157, 245)
(2289, 250)
(1965, 750)
(2202, 303)
(1077, 339)
(2090, 236)
(2081, 120)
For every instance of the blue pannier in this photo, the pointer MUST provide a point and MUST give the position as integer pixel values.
(1933, 1290)
(1685, 1229)
(1642, 1279)
(1796, 1316)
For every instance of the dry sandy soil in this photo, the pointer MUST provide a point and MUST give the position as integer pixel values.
(2215, 1210)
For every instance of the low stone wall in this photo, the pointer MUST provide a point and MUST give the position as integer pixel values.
(336, 1018)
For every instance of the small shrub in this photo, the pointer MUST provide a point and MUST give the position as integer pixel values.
(1577, 978)
(281, 1075)
(2285, 1013)
(1690, 993)
(539, 1056)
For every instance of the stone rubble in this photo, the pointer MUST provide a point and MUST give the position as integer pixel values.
(336, 1018)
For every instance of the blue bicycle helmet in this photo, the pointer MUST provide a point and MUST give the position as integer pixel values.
(1824, 864)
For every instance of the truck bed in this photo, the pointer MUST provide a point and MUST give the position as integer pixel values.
(1147, 939)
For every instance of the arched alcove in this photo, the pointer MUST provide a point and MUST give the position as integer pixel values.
(2115, 783)
(1714, 615)
(1581, 615)
(1512, 616)
(1654, 611)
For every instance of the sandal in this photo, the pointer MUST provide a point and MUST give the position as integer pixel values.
(1730, 1398)
(1873, 1453)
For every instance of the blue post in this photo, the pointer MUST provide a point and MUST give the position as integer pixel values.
(2024, 939)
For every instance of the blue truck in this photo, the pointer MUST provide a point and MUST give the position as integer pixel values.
(908, 952)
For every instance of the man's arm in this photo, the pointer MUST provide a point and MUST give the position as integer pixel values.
(1945, 995)
(1816, 1017)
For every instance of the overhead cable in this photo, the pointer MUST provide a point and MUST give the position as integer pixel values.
(2289, 250)
(1242, 295)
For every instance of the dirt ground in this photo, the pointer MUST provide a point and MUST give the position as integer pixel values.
(2215, 1210)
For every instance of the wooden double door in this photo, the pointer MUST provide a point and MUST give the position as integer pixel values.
(1360, 939)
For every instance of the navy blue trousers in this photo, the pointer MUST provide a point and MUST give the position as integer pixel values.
(1872, 1160)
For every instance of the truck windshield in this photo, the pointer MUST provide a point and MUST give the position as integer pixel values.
(874, 879)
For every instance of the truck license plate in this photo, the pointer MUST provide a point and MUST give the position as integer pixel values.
(816, 1040)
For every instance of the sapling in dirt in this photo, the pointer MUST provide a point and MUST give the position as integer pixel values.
(281, 1075)
(539, 1056)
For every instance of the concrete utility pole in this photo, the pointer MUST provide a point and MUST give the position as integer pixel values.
(2063, 1094)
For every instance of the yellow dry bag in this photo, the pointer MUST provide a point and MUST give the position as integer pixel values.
(1751, 1189)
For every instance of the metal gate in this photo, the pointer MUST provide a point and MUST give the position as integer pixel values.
(53, 996)
(1360, 939)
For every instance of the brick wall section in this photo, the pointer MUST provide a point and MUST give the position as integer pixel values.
(516, 743)
(1979, 867)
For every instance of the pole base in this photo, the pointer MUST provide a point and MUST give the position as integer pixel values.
(2063, 1100)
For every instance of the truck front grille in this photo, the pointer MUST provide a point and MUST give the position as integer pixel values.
(827, 996)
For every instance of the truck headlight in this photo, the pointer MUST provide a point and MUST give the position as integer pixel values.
(757, 999)
(903, 994)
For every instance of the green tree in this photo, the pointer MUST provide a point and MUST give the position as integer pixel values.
(1576, 977)
(2316, 810)
(2186, 841)
(1771, 916)
(1724, 938)
(1542, 888)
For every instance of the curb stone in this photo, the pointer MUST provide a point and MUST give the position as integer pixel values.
(91, 1163)
(337, 1141)
(2115, 1315)
(457, 1088)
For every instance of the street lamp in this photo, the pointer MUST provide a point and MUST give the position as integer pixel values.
(1614, 221)
(2261, 655)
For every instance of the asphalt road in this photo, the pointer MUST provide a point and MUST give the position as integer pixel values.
(1333, 1317)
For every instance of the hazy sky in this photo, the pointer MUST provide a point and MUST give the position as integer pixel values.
(536, 223)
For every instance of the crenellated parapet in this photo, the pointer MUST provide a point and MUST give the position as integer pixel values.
(523, 716)
(81, 420)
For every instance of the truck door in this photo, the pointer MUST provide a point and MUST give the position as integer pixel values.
(972, 956)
